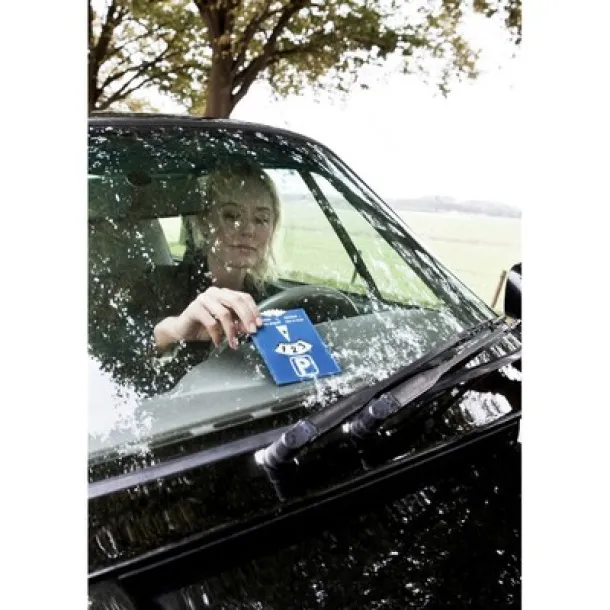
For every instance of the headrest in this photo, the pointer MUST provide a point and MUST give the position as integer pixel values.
(143, 196)
(126, 244)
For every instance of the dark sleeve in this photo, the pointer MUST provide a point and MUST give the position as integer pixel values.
(122, 316)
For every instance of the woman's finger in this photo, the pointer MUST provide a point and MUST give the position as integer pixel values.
(208, 322)
(222, 315)
(236, 302)
(251, 303)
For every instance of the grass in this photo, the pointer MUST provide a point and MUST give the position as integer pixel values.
(477, 249)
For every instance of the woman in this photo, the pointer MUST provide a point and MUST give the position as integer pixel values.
(236, 234)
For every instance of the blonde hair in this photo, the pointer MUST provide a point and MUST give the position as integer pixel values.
(265, 269)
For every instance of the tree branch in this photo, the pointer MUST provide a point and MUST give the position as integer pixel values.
(99, 49)
(249, 31)
(216, 14)
(294, 7)
(122, 12)
(296, 50)
(139, 69)
(204, 9)
(92, 68)
(248, 75)
(91, 17)
(117, 50)
(124, 92)
(112, 20)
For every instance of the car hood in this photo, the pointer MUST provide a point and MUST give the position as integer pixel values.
(452, 543)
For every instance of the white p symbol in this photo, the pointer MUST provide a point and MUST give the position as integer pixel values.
(304, 366)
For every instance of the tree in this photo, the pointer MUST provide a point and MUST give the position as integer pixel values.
(292, 44)
(140, 44)
(324, 43)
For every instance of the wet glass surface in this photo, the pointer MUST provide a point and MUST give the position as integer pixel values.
(168, 205)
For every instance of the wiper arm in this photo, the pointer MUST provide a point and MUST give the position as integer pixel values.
(385, 398)
(388, 404)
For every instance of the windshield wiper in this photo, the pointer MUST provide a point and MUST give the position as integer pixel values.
(373, 405)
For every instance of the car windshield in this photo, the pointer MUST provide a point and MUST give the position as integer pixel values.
(376, 297)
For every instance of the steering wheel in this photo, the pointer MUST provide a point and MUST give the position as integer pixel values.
(320, 302)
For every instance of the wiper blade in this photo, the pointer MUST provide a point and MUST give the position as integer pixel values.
(390, 403)
(468, 374)
(369, 419)
(387, 397)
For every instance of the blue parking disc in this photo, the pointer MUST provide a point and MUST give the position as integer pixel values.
(292, 348)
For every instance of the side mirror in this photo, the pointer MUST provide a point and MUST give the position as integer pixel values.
(512, 293)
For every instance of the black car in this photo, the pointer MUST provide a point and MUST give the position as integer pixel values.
(393, 482)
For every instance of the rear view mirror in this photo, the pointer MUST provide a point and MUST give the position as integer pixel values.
(512, 293)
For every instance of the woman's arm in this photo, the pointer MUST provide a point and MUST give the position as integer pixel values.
(166, 334)
(214, 313)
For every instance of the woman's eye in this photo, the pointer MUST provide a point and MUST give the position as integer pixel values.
(262, 220)
(231, 216)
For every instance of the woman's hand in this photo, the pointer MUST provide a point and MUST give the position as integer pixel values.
(214, 313)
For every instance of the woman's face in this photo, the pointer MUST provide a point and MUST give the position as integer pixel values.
(241, 222)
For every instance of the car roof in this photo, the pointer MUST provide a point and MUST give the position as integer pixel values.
(135, 119)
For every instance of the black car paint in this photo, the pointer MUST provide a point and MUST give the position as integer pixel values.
(167, 537)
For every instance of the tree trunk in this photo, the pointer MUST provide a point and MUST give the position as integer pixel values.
(219, 93)
(92, 92)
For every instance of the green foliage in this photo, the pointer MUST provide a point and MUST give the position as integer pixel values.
(207, 53)
(140, 44)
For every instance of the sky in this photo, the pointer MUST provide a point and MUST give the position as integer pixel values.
(405, 140)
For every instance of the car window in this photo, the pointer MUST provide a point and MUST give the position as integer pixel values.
(175, 235)
(153, 193)
(307, 249)
(396, 280)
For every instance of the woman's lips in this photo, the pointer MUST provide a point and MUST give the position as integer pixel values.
(244, 248)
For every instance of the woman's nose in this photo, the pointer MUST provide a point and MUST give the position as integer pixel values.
(246, 226)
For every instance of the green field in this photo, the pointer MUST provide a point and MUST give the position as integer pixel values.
(475, 248)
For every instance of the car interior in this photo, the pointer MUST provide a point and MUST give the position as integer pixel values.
(127, 241)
